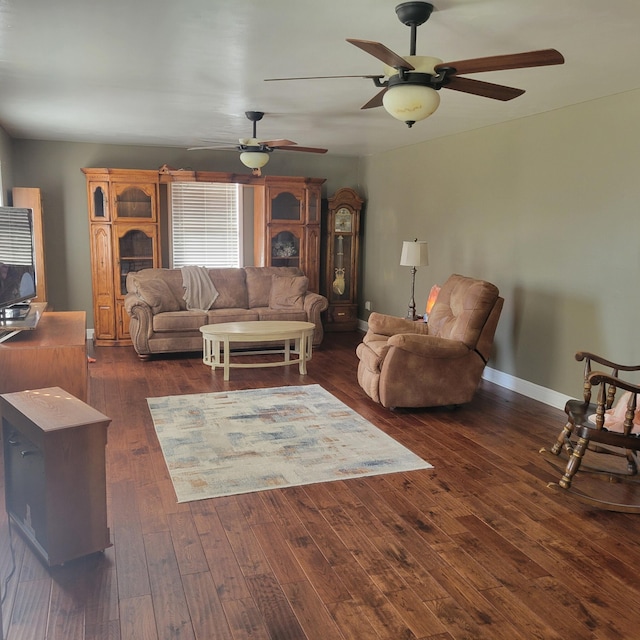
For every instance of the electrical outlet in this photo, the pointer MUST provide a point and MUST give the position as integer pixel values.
(367, 305)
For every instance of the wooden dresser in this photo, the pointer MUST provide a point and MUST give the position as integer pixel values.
(52, 354)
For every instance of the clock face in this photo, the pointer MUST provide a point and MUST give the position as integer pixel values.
(343, 220)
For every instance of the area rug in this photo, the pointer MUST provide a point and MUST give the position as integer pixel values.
(226, 443)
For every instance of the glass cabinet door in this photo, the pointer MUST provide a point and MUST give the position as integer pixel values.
(137, 250)
(285, 248)
(287, 205)
(135, 201)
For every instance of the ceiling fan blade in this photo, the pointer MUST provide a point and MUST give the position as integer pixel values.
(278, 143)
(321, 78)
(226, 147)
(484, 89)
(378, 50)
(307, 149)
(376, 101)
(541, 58)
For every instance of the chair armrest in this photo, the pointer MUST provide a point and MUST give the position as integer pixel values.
(599, 377)
(586, 355)
(141, 323)
(314, 305)
(429, 346)
(386, 325)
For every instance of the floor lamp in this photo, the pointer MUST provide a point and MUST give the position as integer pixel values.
(414, 254)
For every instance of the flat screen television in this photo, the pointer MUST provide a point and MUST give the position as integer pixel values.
(17, 262)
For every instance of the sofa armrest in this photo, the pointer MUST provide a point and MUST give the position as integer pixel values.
(141, 323)
(429, 346)
(314, 305)
(386, 325)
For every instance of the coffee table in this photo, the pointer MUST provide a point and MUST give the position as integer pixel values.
(297, 338)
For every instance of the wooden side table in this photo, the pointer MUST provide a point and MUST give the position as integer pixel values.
(52, 354)
(55, 481)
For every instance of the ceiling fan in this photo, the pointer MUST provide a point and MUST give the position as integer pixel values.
(254, 153)
(410, 84)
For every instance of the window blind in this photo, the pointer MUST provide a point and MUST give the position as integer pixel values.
(16, 237)
(205, 224)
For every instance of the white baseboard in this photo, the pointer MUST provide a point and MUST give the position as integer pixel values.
(526, 388)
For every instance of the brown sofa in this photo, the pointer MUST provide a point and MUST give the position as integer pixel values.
(161, 323)
(413, 364)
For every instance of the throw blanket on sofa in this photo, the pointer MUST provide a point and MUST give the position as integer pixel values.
(199, 291)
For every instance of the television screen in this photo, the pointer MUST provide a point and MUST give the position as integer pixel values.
(17, 265)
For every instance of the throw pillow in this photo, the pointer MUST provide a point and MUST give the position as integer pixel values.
(614, 417)
(287, 292)
(157, 294)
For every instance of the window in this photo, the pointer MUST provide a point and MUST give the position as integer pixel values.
(205, 224)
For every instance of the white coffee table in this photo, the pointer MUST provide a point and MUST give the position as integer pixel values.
(297, 338)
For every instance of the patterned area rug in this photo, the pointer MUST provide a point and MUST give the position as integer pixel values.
(221, 444)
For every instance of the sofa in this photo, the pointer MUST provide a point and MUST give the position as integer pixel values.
(160, 321)
(407, 364)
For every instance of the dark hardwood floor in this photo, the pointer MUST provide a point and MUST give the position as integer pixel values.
(478, 548)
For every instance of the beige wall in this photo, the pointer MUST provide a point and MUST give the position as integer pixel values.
(546, 207)
(55, 168)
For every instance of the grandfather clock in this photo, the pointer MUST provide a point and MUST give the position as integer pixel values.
(342, 259)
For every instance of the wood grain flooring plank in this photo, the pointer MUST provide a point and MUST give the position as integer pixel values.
(186, 543)
(352, 620)
(223, 564)
(169, 603)
(67, 602)
(246, 548)
(281, 560)
(29, 617)
(279, 618)
(137, 619)
(311, 612)
(207, 615)
(245, 620)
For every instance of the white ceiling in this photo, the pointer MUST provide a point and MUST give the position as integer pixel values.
(160, 72)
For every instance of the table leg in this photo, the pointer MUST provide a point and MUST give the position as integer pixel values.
(302, 355)
(287, 350)
(225, 359)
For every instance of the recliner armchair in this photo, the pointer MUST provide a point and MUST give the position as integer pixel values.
(413, 364)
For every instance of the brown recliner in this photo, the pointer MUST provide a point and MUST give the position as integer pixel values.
(413, 364)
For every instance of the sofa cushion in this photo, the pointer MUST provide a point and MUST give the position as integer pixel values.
(231, 315)
(156, 293)
(259, 282)
(287, 292)
(179, 321)
(232, 288)
(289, 314)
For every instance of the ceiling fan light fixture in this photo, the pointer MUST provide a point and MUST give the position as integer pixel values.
(410, 102)
(254, 159)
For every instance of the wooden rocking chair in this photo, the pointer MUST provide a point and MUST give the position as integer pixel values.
(605, 433)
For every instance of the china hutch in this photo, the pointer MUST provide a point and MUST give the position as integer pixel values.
(124, 218)
(342, 259)
(287, 225)
(124, 237)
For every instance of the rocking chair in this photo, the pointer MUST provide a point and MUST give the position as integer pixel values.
(603, 431)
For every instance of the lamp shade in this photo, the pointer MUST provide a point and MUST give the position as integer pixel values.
(254, 159)
(410, 102)
(414, 254)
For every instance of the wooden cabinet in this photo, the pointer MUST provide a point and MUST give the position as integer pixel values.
(124, 236)
(342, 259)
(287, 225)
(31, 198)
(55, 484)
(52, 354)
